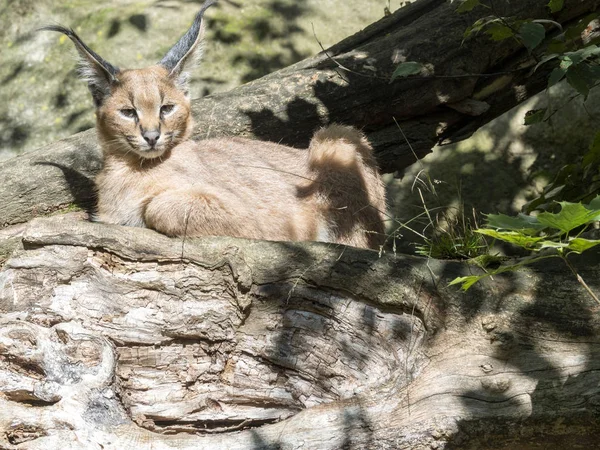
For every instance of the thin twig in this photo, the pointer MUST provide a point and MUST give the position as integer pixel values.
(579, 278)
(186, 220)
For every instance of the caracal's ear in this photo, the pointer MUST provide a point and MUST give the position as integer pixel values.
(187, 51)
(98, 73)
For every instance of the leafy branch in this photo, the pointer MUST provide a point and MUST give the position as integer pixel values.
(575, 61)
(547, 235)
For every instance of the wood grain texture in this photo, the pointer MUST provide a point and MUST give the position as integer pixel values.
(116, 338)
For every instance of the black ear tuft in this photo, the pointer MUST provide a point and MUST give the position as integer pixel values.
(188, 47)
(98, 73)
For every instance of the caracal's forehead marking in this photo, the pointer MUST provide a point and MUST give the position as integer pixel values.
(146, 89)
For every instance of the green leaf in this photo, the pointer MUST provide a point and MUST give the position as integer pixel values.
(486, 260)
(583, 54)
(592, 156)
(556, 46)
(407, 68)
(535, 116)
(556, 75)
(513, 237)
(556, 5)
(467, 282)
(535, 203)
(553, 190)
(552, 244)
(477, 26)
(565, 62)
(498, 32)
(581, 78)
(467, 5)
(594, 204)
(562, 177)
(532, 34)
(579, 245)
(571, 215)
(522, 223)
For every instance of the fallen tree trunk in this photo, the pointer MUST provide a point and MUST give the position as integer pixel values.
(348, 83)
(121, 338)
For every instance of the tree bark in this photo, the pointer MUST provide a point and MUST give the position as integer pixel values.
(349, 83)
(121, 338)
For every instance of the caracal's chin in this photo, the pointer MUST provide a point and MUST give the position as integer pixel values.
(152, 152)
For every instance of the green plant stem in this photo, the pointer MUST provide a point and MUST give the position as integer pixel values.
(514, 267)
(579, 278)
(521, 264)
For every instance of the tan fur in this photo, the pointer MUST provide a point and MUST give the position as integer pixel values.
(154, 176)
(143, 90)
(245, 188)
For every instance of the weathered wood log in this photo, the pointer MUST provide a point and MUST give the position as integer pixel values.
(121, 338)
(348, 83)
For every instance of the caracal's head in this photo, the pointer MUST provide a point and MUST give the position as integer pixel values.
(144, 112)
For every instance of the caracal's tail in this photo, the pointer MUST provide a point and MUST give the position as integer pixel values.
(347, 187)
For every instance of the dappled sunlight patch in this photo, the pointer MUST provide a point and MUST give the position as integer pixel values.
(523, 197)
(482, 142)
(468, 169)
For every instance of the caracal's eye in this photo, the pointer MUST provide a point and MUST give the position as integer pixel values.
(165, 110)
(130, 113)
